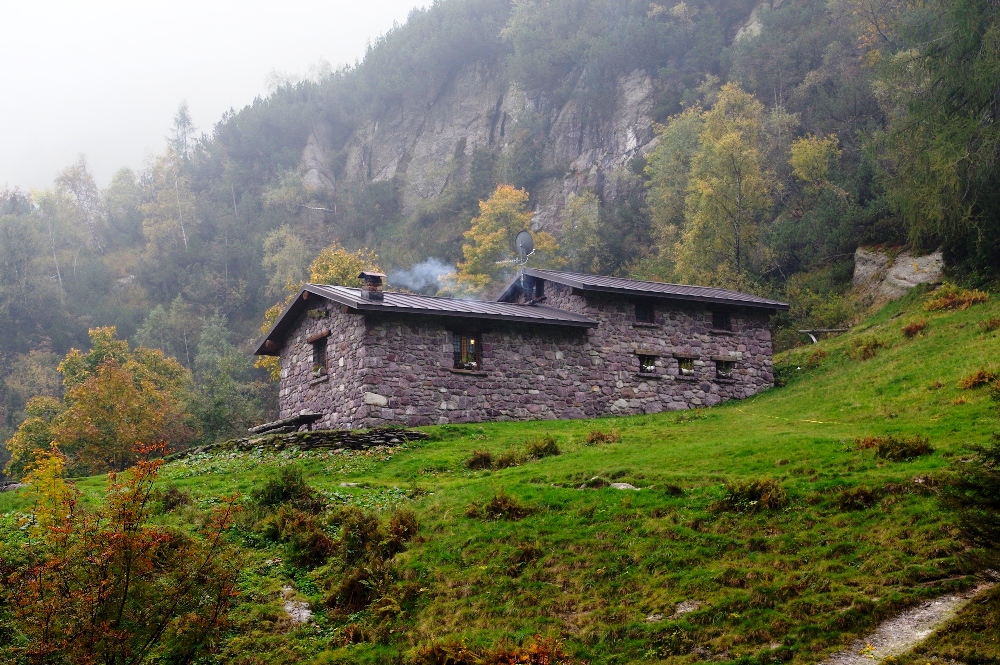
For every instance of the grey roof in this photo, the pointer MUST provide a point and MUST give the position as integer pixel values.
(639, 288)
(409, 303)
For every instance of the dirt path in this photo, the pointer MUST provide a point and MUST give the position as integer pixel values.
(897, 636)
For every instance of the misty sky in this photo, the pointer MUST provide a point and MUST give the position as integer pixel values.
(104, 77)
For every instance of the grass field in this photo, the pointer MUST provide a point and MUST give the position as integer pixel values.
(693, 566)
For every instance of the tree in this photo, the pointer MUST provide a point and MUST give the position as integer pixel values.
(181, 139)
(944, 131)
(170, 213)
(814, 157)
(227, 394)
(668, 170)
(117, 400)
(105, 586)
(335, 265)
(491, 240)
(77, 182)
(286, 260)
(729, 191)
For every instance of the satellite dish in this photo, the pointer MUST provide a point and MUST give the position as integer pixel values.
(525, 244)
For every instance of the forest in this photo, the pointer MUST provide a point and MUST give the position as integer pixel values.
(787, 134)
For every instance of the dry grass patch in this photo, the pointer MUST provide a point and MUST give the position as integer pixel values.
(481, 459)
(953, 297)
(501, 507)
(977, 379)
(866, 348)
(597, 437)
(914, 328)
(543, 447)
(989, 325)
(816, 358)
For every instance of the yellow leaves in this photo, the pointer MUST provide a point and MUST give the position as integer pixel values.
(813, 157)
(339, 266)
(491, 240)
(52, 495)
(34, 434)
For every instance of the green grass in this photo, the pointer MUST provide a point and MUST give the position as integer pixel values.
(596, 566)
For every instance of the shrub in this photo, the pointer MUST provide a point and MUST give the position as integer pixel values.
(896, 449)
(866, 348)
(307, 546)
(501, 507)
(597, 437)
(953, 297)
(816, 358)
(544, 447)
(289, 486)
(974, 494)
(507, 460)
(989, 325)
(481, 459)
(859, 498)
(172, 498)
(752, 496)
(977, 379)
(538, 651)
(914, 328)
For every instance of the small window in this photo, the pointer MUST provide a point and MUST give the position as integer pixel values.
(647, 364)
(539, 288)
(724, 369)
(319, 357)
(468, 351)
(686, 366)
(644, 313)
(720, 321)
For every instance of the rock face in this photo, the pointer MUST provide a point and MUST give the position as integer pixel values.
(428, 142)
(398, 369)
(882, 276)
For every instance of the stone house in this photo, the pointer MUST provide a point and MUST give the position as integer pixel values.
(553, 345)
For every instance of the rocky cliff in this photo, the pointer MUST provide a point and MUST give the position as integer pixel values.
(427, 143)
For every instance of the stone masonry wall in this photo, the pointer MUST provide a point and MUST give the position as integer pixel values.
(398, 369)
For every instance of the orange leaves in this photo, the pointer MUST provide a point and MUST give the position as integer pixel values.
(105, 585)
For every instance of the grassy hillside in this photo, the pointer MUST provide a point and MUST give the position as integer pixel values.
(502, 556)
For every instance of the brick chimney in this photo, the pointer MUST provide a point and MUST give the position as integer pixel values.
(371, 285)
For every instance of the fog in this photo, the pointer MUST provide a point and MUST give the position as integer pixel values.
(104, 78)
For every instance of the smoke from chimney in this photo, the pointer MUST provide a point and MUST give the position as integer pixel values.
(423, 277)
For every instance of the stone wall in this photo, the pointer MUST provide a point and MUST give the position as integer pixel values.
(392, 369)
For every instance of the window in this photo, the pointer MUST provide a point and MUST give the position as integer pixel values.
(319, 356)
(647, 364)
(720, 321)
(644, 313)
(686, 366)
(468, 351)
(724, 369)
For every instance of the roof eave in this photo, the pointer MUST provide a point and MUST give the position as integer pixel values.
(577, 284)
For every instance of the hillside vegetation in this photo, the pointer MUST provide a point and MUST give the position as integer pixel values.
(729, 142)
(775, 529)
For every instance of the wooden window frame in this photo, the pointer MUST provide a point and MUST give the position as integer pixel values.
(461, 341)
(720, 373)
(647, 364)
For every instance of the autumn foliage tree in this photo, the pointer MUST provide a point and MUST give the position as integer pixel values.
(490, 241)
(334, 265)
(103, 585)
(116, 399)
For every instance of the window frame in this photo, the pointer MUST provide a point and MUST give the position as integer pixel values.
(320, 356)
(460, 341)
(647, 363)
(722, 319)
(646, 319)
(720, 373)
(685, 371)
